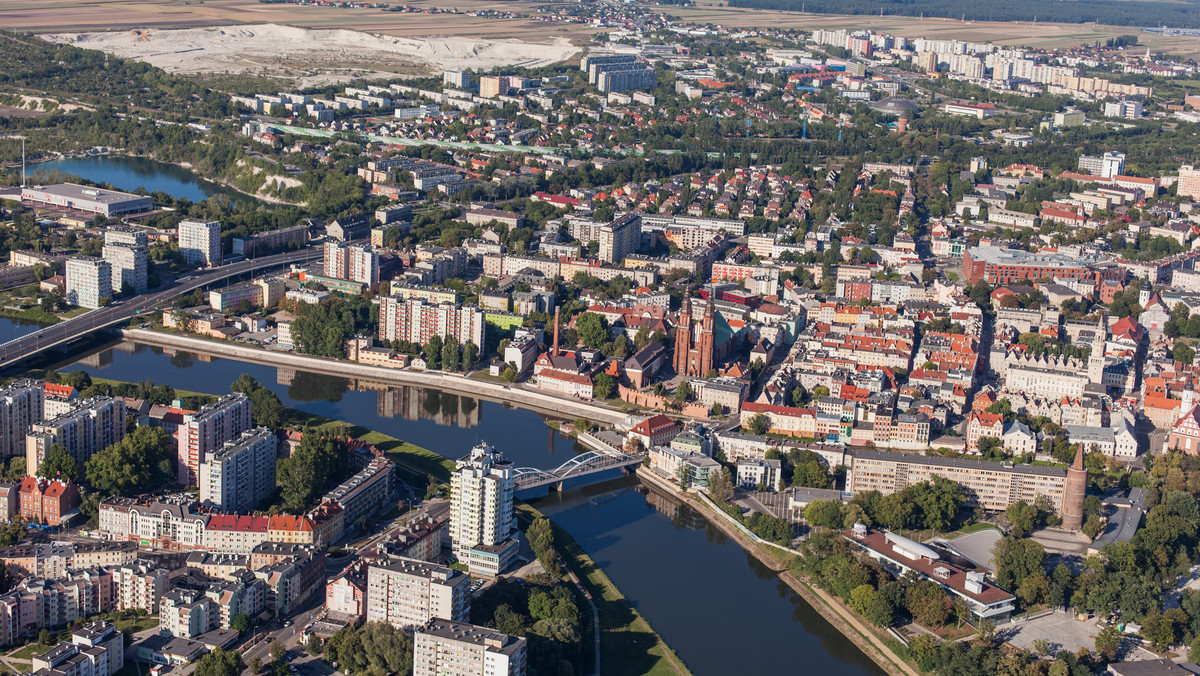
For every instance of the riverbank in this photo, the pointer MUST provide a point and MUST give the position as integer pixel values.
(417, 461)
(629, 646)
(517, 395)
(834, 612)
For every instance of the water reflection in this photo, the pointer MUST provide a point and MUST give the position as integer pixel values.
(445, 422)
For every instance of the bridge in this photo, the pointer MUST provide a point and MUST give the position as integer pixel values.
(592, 462)
(123, 310)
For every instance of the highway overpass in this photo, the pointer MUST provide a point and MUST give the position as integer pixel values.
(123, 310)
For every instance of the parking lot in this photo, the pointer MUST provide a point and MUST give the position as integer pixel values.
(1060, 629)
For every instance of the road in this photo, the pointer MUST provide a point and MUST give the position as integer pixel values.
(123, 310)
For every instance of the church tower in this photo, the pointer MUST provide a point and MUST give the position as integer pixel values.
(705, 341)
(1096, 360)
(683, 334)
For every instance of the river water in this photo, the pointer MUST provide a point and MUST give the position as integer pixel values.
(720, 609)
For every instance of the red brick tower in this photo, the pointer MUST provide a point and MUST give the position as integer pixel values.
(705, 340)
(1074, 491)
(683, 334)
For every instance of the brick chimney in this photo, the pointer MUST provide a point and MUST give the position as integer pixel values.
(554, 346)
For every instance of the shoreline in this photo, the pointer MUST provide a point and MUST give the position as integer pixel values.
(826, 606)
(516, 395)
(607, 595)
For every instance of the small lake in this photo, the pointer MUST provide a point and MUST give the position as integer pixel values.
(130, 173)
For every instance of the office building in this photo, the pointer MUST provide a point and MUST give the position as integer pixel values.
(447, 648)
(416, 320)
(207, 430)
(481, 503)
(83, 198)
(1129, 109)
(89, 427)
(620, 238)
(408, 593)
(88, 281)
(200, 242)
(241, 474)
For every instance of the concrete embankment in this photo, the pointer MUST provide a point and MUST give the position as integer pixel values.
(517, 395)
(830, 608)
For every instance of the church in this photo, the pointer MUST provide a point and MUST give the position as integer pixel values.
(701, 345)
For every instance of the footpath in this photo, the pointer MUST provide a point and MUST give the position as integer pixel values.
(518, 395)
(831, 609)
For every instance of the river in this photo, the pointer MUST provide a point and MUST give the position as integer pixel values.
(720, 609)
(130, 173)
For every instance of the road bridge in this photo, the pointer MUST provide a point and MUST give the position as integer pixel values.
(123, 310)
(592, 462)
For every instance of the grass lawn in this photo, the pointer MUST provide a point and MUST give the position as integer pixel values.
(415, 459)
(28, 652)
(628, 645)
(137, 624)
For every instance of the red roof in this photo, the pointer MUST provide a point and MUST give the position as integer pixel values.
(285, 522)
(654, 425)
(58, 390)
(239, 522)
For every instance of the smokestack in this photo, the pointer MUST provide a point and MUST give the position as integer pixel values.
(554, 347)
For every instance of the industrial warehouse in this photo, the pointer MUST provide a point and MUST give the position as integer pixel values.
(83, 198)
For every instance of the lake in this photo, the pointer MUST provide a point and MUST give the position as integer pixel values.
(130, 173)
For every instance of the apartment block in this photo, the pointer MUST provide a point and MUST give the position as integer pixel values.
(22, 405)
(481, 502)
(89, 427)
(97, 649)
(200, 242)
(241, 474)
(992, 485)
(621, 237)
(140, 585)
(408, 593)
(447, 648)
(187, 613)
(129, 265)
(417, 321)
(88, 281)
(207, 430)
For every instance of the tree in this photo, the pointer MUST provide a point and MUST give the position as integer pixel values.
(243, 623)
(255, 665)
(373, 648)
(592, 329)
(683, 392)
(1022, 516)
(869, 603)
(929, 604)
(318, 463)
(451, 354)
(604, 386)
(314, 646)
(277, 650)
(1108, 641)
(759, 423)
(59, 463)
(220, 662)
(824, 513)
(1016, 559)
(720, 486)
(1183, 353)
(470, 356)
(265, 407)
(132, 465)
(433, 352)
